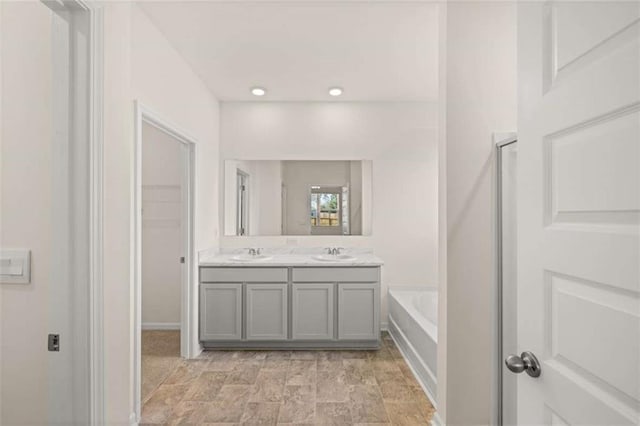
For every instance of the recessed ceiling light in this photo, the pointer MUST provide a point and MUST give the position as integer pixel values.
(258, 91)
(335, 91)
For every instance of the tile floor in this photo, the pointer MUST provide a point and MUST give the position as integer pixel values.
(279, 387)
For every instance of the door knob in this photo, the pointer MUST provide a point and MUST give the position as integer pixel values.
(525, 362)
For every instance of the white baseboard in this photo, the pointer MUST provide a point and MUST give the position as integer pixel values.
(161, 326)
(384, 326)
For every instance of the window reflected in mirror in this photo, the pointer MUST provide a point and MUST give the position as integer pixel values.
(267, 197)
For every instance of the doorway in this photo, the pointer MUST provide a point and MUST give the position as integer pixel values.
(507, 155)
(163, 282)
(163, 233)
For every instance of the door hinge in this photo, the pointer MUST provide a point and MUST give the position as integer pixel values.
(182, 259)
(54, 343)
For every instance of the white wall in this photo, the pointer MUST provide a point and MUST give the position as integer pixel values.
(140, 64)
(162, 227)
(400, 139)
(266, 205)
(480, 100)
(26, 140)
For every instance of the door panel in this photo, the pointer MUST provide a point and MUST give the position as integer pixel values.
(266, 311)
(313, 312)
(220, 311)
(579, 211)
(358, 311)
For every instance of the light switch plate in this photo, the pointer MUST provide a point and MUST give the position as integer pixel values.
(15, 266)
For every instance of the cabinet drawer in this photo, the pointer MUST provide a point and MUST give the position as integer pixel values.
(248, 274)
(335, 274)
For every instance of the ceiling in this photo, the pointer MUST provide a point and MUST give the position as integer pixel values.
(376, 51)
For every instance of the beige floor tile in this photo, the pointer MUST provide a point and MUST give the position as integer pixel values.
(305, 355)
(155, 414)
(297, 412)
(405, 414)
(167, 394)
(333, 413)
(425, 406)
(359, 372)
(332, 386)
(188, 413)
(397, 390)
(251, 355)
(354, 354)
(367, 405)
(260, 413)
(276, 364)
(206, 386)
(300, 393)
(229, 405)
(244, 373)
(186, 371)
(155, 370)
(301, 372)
(288, 387)
(222, 365)
(269, 386)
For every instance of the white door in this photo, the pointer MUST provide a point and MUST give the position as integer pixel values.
(579, 211)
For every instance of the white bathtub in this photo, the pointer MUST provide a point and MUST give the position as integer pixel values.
(413, 324)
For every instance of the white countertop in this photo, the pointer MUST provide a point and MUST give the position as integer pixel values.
(288, 257)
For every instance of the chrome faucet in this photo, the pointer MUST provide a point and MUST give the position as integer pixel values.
(334, 251)
(255, 251)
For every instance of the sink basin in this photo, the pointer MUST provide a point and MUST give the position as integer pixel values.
(334, 257)
(250, 257)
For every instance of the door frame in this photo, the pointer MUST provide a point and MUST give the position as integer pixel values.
(501, 140)
(188, 326)
(93, 312)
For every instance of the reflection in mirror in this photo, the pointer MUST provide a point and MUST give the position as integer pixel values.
(270, 197)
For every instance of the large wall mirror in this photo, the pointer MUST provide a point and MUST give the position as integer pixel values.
(270, 197)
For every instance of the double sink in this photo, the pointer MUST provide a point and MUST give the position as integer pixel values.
(319, 257)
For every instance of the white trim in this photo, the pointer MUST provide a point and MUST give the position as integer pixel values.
(188, 327)
(384, 326)
(500, 139)
(96, 197)
(92, 269)
(161, 326)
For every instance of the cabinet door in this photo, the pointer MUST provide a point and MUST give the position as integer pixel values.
(313, 311)
(220, 311)
(358, 311)
(266, 311)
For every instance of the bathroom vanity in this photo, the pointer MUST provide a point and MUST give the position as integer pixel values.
(290, 300)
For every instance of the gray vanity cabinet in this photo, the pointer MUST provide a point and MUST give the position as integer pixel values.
(266, 311)
(290, 307)
(358, 306)
(313, 311)
(221, 311)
